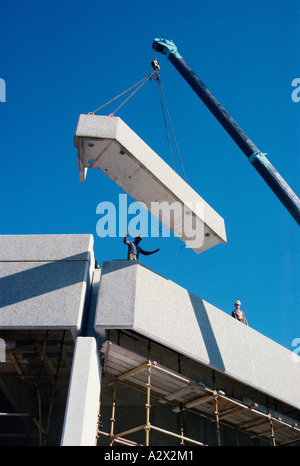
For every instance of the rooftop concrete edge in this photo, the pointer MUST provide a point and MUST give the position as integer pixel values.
(44, 280)
(161, 310)
(22, 248)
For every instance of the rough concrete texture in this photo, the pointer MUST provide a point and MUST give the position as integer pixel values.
(44, 248)
(108, 144)
(44, 280)
(133, 296)
(80, 425)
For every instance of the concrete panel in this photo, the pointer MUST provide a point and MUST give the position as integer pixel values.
(117, 291)
(44, 280)
(80, 424)
(167, 313)
(43, 248)
(108, 144)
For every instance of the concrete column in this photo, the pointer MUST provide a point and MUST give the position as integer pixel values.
(80, 424)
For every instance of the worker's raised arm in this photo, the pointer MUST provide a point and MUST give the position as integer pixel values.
(148, 253)
(125, 241)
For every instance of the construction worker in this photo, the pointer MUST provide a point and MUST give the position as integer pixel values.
(238, 313)
(134, 249)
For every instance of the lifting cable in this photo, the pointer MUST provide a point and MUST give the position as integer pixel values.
(139, 83)
(164, 117)
(163, 103)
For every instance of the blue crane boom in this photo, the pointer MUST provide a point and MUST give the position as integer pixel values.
(259, 160)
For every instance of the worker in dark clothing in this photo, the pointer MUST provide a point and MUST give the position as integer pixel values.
(238, 313)
(134, 249)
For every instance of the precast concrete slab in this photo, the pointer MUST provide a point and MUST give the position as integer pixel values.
(131, 296)
(44, 280)
(108, 144)
(45, 248)
(81, 418)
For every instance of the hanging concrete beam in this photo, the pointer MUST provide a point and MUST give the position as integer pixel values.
(108, 144)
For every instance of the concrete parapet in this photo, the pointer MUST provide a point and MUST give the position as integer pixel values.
(44, 280)
(80, 425)
(134, 297)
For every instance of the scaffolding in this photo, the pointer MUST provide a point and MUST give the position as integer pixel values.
(29, 378)
(185, 394)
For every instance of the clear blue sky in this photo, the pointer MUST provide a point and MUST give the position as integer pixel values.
(63, 58)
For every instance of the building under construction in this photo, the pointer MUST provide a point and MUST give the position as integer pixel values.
(90, 361)
(120, 355)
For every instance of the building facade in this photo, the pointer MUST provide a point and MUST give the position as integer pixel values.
(123, 356)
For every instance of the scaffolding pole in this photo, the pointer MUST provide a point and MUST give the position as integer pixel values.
(217, 406)
(54, 385)
(38, 424)
(148, 404)
(272, 431)
(112, 419)
(181, 424)
(147, 427)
